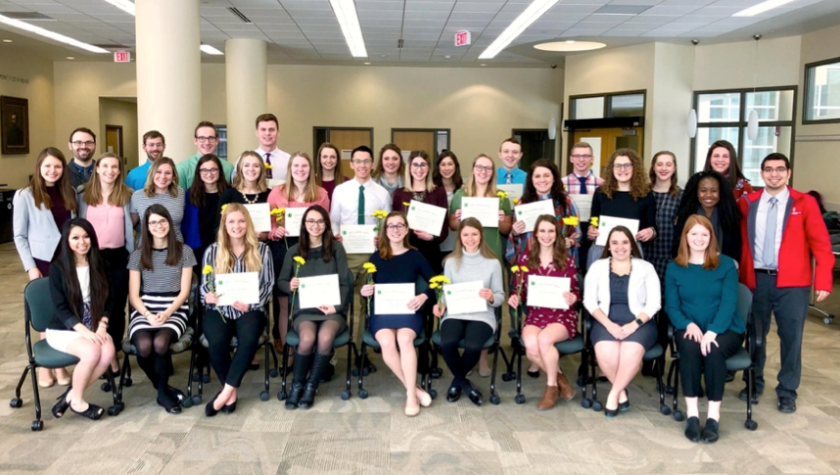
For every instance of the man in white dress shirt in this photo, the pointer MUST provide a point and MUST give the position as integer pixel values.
(268, 129)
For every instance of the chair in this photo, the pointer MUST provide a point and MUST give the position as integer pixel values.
(38, 312)
(656, 354)
(568, 347)
(743, 360)
(420, 342)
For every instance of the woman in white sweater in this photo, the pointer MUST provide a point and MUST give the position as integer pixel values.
(622, 294)
(471, 261)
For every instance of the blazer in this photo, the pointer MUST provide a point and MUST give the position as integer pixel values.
(129, 225)
(643, 293)
(64, 318)
(36, 234)
(803, 234)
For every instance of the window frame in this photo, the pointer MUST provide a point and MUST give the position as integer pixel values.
(607, 101)
(806, 96)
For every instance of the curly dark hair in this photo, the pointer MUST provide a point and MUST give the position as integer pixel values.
(639, 186)
(729, 217)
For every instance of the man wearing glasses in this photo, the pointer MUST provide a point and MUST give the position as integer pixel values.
(206, 139)
(782, 230)
(154, 145)
(583, 183)
(83, 145)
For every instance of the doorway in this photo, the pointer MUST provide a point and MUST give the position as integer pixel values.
(114, 142)
(535, 145)
(605, 141)
(346, 139)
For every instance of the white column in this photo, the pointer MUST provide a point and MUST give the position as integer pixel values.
(169, 73)
(246, 92)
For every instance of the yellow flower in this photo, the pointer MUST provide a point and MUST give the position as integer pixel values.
(594, 221)
(300, 260)
(438, 279)
(223, 208)
(207, 270)
(501, 194)
(379, 214)
(368, 265)
(268, 166)
(516, 201)
(434, 285)
(571, 221)
(514, 269)
(523, 269)
(405, 204)
(277, 211)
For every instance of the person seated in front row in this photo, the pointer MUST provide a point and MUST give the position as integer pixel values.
(548, 255)
(701, 298)
(472, 260)
(79, 326)
(398, 262)
(622, 293)
(316, 327)
(236, 250)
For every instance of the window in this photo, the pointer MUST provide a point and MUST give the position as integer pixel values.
(723, 115)
(588, 108)
(608, 106)
(221, 148)
(822, 91)
(627, 105)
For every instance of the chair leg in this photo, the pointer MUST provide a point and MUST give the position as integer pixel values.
(749, 423)
(37, 397)
(351, 350)
(596, 404)
(193, 350)
(660, 371)
(118, 405)
(363, 356)
(284, 371)
(494, 398)
(20, 382)
(517, 355)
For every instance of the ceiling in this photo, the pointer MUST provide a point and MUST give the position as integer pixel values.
(306, 31)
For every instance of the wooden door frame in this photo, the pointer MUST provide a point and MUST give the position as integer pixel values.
(119, 129)
(556, 156)
(315, 143)
(434, 134)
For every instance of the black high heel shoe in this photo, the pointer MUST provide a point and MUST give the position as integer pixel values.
(62, 405)
(209, 410)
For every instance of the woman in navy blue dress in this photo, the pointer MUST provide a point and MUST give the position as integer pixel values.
(397, 262)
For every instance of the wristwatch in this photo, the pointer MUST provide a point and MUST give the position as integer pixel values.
(639, 322)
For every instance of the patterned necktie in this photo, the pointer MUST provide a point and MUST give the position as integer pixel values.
(362, 204)
(508, 178)
(768, 253)
(268, 162)
(582, 180)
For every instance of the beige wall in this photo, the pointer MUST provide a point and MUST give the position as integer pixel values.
(670, 103)
(17, 63)
(123, 113)
(733, 65)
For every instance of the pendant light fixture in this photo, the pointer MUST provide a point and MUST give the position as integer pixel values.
(691, 120)
(752, 121)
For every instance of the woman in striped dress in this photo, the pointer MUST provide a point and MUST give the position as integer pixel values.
(159, 285)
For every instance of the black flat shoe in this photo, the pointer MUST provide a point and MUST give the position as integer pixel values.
(168, 407)
(624, 406)
(209, 410)
(787, 405)
(454, 393)
(711, 431)
(176, 394)
(692, 429)
(743, 395)
(610, 413)
(229, 408)
(534, 374)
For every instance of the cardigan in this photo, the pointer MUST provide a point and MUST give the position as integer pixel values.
(129, 225)
(643, 292)
(64, 318)
(35, 232)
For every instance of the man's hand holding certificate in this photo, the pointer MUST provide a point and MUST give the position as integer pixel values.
(485, 210)
(318, 291)
(425, 217)
(529, 212)
(239, 287)
(464, 298)
(358, 238)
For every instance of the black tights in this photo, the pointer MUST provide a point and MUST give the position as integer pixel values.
(475, 334)
(153, 355)
(321, 332)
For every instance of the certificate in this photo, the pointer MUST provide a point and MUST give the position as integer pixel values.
(241, 286)
(319, 290)
(529, 212)
(606, 223)
(358, 238)
(392, 299)
(260, 216)
(584, 206)
(514, 192)
(292, 220)
(547, 292)
(463, 298)
(485, 210)
(274, 182)
(426, 217)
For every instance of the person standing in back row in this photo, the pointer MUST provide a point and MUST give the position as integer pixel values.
(582, 181)
(267, 132)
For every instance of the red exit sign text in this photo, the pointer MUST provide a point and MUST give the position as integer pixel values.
(122, 57)
(462, 38)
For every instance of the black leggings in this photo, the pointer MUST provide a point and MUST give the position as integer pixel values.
(474, 334)
(693, 364)
(153, 355)
(247, 329)
(117, 260)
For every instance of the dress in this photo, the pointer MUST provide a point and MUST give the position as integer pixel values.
(430, 249)
(402, 269)
(620, 313)
(541, 317)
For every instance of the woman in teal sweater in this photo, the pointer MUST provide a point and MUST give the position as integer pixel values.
(701, 298)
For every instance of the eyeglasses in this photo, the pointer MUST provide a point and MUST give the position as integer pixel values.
(483, 169)
(206, 139)
(208, 171)
(86, 144)
(419, 165)
(396, 227)
(581, 156)
(315, 222)
(155, 224)
(777, 170)
(622, 166)
(362, 162)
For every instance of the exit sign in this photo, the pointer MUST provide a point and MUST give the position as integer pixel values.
(462, 38)
(122, 57)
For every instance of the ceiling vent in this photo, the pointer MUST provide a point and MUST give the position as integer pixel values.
(400, 43)
(239, 15)
(30, 16)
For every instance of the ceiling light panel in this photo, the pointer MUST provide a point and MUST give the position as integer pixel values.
(348, 20)
(531, 14)
(22, 25)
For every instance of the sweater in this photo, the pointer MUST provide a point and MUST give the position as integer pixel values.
(315, 266)
(474, 266)
(707, 298)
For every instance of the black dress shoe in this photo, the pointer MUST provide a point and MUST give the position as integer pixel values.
(209, 410)
(169, 407)
(711, 431)
(624, 406)
(229, 408)
(610, 413)
(534, 374)
(743, 395)
(474, 394)
(454, 393)
(692, 429)
(787, 405)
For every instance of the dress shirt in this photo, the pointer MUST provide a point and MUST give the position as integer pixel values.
(761, 224)
(572, 183)
(519, 177)
(278, 159)
(136, 178)
(345, 203)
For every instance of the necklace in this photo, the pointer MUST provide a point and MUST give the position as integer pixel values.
(248, 201)
(418, 195)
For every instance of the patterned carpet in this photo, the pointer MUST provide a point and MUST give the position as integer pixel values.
(372, 436)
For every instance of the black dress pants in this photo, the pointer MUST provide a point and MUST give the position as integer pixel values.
(693, 365)
(219, 332)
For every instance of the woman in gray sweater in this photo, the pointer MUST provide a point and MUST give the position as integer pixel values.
(471, 261)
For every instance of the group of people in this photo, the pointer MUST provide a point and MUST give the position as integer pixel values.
(104, 240)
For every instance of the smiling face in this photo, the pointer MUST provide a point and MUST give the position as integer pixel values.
(79, 241)
(720, 160)
(163, 176)
(267, 134)
(83, 146)
(361, 163)
(581, 158)
(447, 168)
(397, 228)
(664, 167)
(620, 247)
(300, 170)
(546, 234)
(510, 154)
(391, 161)
(708, 193)
(775, 174)
(419, 169)
(315, 224)
(483, 171)
(158, 226)
(154, 148)
(698, 238)
(543, 180)
(209, 172)
(51, 170)
(235, 225)
(205, 140)
(252, 167)
(623, 169)
(328, 158)
(108, 170)
(470, 238)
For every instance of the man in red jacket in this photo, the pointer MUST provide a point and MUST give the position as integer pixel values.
(782, 228)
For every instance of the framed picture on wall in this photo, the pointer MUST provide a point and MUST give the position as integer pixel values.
(14, 125)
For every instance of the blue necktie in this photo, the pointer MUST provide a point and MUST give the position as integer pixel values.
(508, 178)
(582, 180)
(768, 253)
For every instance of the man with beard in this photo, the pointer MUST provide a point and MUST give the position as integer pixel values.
(154, 145)
(83, 145)
(206, 139)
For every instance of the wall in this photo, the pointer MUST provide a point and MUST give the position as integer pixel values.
(18, 63)
(670, 101)
(734, 65)
(124, 113)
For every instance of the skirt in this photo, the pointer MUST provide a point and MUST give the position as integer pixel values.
(155, 303)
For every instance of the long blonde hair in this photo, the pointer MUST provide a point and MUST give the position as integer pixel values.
(470, 187)
(239, 179)
(149, 189)
(224, 256)
(310, 190)
(120, 195)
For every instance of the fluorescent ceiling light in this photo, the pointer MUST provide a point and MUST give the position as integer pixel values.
(50, 34)
(535, 10)
(124, 5)
(210, 50)
(762, 7)
(348, 20)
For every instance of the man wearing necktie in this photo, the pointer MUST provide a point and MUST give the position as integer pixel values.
(510, 153)
(268, 130)
(782, 228)
(582, 181)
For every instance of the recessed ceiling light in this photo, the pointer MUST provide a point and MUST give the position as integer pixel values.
(50, 34)
(566, 46)
(70, 57)
(7, 41)
(448, 56)
(367, 63)
(762, 7)
(483, 64)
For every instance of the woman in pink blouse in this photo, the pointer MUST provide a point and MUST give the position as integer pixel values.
(301, 190)
(104, 202)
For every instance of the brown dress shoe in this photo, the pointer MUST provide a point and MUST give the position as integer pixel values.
(567, 391)
(549, 398)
